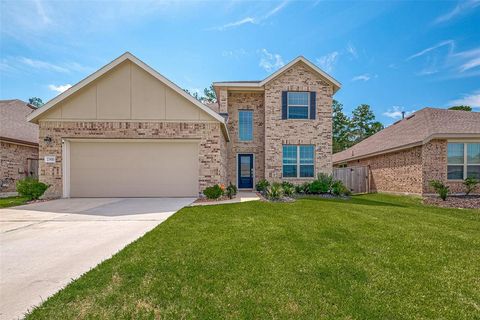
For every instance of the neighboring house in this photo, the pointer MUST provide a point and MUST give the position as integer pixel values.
(18, 143)
(127, 131)
(431, 144)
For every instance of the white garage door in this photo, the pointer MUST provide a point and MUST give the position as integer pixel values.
(135, 168)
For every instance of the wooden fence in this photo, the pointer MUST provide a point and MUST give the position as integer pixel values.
(354, 178)
(32, 167)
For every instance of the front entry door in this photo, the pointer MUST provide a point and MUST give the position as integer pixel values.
(245, 171)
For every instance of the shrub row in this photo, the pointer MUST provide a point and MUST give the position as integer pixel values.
(443, 190)
(324, 184)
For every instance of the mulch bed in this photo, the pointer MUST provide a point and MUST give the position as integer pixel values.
(205, 199)
(467, 202)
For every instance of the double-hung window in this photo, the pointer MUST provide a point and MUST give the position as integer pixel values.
(298, 161)
(298, 105)
(245, 125)
(463, 160)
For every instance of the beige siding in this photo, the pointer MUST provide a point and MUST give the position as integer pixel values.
(127, 92)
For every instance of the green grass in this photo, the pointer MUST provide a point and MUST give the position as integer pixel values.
(12, 201)
(373, 257)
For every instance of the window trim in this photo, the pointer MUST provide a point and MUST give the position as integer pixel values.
(239, 137)
(298, 164)
(465, 158)
(298, 105)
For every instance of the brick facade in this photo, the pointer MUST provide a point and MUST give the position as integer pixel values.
(435, 166)
(246, 101)
(317, 132)
(212, 150)
(410, 170)
(396, 172)
(14, 162)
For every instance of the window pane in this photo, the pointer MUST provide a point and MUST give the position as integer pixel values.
(289, 154)
(245, 125)
(455, 172)
(289, 171)
(297, 112)
(473, 153)
(455, 153)
(306, 155)
(306, 170)
(473, 171)
(298, 98)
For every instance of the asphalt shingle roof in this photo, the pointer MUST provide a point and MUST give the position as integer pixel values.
(416, 129)
(13, 121)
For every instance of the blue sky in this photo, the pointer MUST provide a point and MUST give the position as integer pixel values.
(393, 55)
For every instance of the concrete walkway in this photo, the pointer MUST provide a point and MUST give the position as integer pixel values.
(44, 246)
(242, 196)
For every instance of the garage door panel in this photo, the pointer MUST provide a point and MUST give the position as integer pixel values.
(133, 169)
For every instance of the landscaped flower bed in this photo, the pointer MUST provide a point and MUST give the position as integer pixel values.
(324, 186)
(469, 202)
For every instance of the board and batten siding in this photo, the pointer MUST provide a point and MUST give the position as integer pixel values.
(127, 93)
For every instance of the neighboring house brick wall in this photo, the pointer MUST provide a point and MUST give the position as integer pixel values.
(14, 162)
(435, 167)
(317, 132)
(246, 101)
(396, 172)
(212, 155)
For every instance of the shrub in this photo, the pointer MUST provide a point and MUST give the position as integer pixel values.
(470, 184)
(339, 189)
(302, 188)
(323, 184)
(288, 189)
(213, 192)
(440, 188)
(274, 191)
(31, 188)
(231, 191)
(262, 185)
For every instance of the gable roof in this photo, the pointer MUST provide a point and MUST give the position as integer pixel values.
(97, 74)
(260, 83)
(415, 130)
(13, 122)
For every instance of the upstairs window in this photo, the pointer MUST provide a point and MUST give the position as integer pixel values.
(463, 160)
(245, 125)
(298, 161)
(298, 105)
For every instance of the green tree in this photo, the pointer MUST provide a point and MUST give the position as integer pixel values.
(36, 102)
(341, 128)
(209, 95)
(463, 108)
(363, 123)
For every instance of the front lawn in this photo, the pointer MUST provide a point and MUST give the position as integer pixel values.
(12, 201)
(373, 257)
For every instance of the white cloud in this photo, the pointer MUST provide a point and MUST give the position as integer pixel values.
(270, 61)
(472, 100)
(41, 12)
(250, 19)
(352, 50)
(461, 8)
(236, 23)
(328, 61)
(396, 112)
(60, 88)
(362, 77)
(450, 43)
(38, 64)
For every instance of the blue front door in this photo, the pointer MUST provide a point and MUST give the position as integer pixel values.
(245, 171)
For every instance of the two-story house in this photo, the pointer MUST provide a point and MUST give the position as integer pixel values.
(127, 131)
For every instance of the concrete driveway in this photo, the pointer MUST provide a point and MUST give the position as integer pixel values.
(44, 246)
